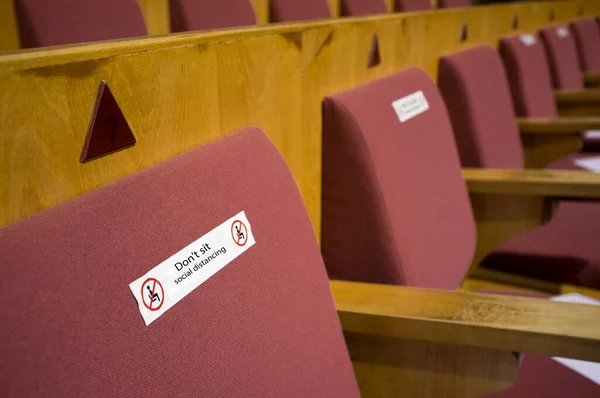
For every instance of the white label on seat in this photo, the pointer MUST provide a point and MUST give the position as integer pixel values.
(410, 106)
(590, 370)
(592, 134)
(561, 31)
(176, 277)
(528, 39)
(591, 164)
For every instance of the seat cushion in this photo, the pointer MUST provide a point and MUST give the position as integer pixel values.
(587, 39)
(562, 57)
(591, 141)
(50, 23)
(454, 3)
(188, 15)
(359, 8)
(294, 10)
(263, 326)
(412, 5)
(565, 250)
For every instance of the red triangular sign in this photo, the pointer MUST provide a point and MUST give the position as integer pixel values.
(108, 131)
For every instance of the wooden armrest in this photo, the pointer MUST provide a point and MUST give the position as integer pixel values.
(588, 96)
(591, 78)
(551, 183)
(507, 323)
(563, 125)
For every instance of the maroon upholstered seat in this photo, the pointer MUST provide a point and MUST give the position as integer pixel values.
(359, 8)
(562, 57)
(395, 206)
(530, 81)
(263, 326)
(188, 15)
(454, 3)
(412, 5)
(50, 23)
(587, 38)
(475, 87)
(294, 10)
(528, 76)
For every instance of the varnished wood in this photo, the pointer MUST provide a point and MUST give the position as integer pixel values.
(392, 367)
(157, 16)
(487, 279)
(563, 125)
(9, 30)
(591, 79)
(180, 91)
(564, 97)
(509, 323)
(542, 149)
(549, 183)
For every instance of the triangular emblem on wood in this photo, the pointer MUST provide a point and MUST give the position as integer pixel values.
(374, 57)
(108, 131)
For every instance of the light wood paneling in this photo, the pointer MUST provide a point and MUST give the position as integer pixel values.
(261, 9)
(180, 91)
(156, 14)
(9, 30)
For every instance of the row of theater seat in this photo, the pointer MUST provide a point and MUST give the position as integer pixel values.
(43, 23)
(395, 211)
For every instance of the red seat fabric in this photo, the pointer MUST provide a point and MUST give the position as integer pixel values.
(481, 110)
(294, 10)
(263, 326)
(188, 15)
(565, 250)
(359, 8)
(562, 57)
(57, 22)
(528, 76)
(587, 38)
(394, 206)
(454, 3)
(412, 5)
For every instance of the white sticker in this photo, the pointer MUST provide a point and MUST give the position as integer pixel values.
(410, 106)
(528, 39)
(561, 31)
(176, 277)
(590, 164)
(591, 134)
(591, 370)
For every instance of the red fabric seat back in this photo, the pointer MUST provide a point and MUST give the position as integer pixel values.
(528, 75)
(412, 5)
(475, 88)
(454, 3)
(263, 326)
(57, 22)
(294, 10)
(395, 206)
(562, 57)
(360, 8)
(188, 15)
(587, 40)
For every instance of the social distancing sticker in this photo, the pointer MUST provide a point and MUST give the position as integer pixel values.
(562, 32)
(176, 277)
(410, 106)
(528, 39)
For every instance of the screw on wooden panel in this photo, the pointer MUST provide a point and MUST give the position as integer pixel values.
(551, 15)
(374, 56)
(515, 22)
(580, 11)
(464, 31)
(108, 130)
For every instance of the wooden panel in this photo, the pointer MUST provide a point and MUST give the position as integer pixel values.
(180, 91)
(156, 15)
(261, 9)
(9, 30)
(389, 367)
